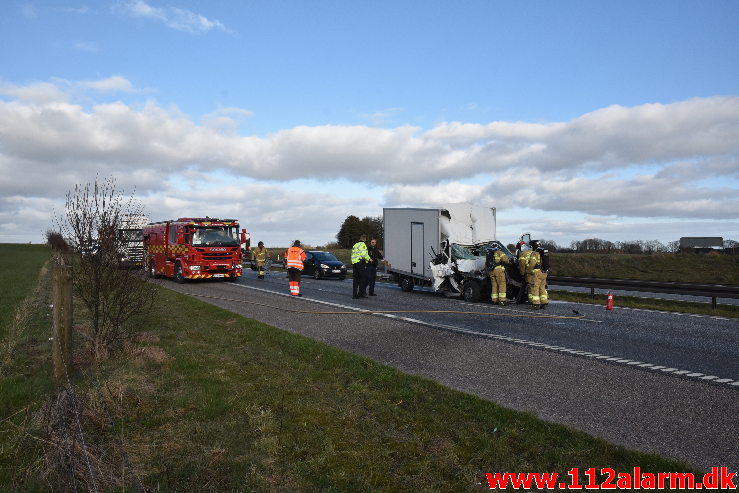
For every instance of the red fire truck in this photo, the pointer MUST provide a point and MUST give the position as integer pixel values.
(195, 248)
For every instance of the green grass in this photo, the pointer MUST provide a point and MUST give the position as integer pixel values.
(710, 269)
(212, 401)
(19, 267)
(25, 356)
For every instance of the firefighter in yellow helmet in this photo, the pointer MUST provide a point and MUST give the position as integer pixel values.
(495, 261)
(260, 256)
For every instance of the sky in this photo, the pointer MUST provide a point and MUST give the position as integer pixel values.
(574, 119)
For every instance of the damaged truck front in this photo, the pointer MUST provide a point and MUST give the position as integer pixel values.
(444, 248)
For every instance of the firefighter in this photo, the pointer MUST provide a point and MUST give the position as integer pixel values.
(495, 261)
(541, 277)
(538, 295)
(260, 256)
(360, 259)
(523, 269)
(294, 258)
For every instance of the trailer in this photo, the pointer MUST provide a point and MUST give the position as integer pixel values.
(131, 240)
(444, 248)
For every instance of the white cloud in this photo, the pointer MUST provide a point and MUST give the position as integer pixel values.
(37, 93)
(669, 161)
(173, 17)
(115, 83)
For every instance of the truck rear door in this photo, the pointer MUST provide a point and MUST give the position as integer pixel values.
(418, 266)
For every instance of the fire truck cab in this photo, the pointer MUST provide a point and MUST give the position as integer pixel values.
(194, 248)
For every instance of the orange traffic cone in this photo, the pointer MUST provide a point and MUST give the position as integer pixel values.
(609, 302)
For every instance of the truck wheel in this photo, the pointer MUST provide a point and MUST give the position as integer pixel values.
(178, 277)
(406, 283)
(471, 291)
(151, 268)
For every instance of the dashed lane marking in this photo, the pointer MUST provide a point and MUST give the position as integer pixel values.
(524, 342)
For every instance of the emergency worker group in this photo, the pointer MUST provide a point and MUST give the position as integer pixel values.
(533, 266)
(531, 260)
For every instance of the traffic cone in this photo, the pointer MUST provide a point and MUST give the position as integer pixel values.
(609, 302)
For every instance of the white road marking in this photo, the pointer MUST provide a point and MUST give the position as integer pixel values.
(451, 328)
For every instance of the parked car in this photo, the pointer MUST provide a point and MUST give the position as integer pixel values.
(321, 265)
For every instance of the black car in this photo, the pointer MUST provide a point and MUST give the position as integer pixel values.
(323, 264)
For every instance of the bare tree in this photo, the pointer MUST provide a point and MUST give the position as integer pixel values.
(673, 246)
(93, 214)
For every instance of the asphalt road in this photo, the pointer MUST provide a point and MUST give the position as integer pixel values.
(652, 381)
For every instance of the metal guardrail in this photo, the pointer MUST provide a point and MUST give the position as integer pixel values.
(712, 291)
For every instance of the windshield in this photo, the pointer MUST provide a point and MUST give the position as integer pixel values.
(324, 256)
(215, 236)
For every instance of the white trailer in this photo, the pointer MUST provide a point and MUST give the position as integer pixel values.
(131, 240)
(443, 247)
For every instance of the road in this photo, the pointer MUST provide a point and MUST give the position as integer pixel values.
(652, 381)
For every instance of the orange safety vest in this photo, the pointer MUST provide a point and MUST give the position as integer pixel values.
(295, 257)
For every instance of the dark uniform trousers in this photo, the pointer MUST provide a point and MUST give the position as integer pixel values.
(359, 279)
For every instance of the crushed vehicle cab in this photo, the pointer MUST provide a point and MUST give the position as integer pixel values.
(194, 248)
(445, 248)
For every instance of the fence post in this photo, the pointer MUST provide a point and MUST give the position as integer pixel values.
(62, 319)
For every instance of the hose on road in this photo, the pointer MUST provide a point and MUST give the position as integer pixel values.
(370, 312)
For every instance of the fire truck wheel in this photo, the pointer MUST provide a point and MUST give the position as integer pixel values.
(178, 277)
(151, 269)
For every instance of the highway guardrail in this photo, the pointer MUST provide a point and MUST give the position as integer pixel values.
(712, 291)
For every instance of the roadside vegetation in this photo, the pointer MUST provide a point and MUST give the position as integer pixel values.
(206, 400)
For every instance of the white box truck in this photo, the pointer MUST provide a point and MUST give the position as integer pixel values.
(444, 248)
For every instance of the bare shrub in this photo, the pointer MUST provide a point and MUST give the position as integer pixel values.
(93, 215)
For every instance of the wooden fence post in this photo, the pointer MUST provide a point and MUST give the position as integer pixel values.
(62, 319)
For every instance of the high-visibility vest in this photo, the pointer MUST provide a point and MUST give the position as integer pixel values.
(359, 253)
(295, 257)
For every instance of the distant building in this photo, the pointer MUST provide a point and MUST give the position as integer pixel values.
(702, 244)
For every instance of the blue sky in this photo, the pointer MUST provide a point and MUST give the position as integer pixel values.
(614, 119)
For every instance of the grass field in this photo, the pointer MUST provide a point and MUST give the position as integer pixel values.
(206, 400)
(19, 267)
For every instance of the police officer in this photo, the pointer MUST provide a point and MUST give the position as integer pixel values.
(260, 256)
(376, 255)
(495, 261)
(360, 259)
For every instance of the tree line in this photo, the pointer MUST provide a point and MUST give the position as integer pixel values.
(597, 245)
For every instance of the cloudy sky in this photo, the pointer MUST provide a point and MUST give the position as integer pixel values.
(575, 119)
